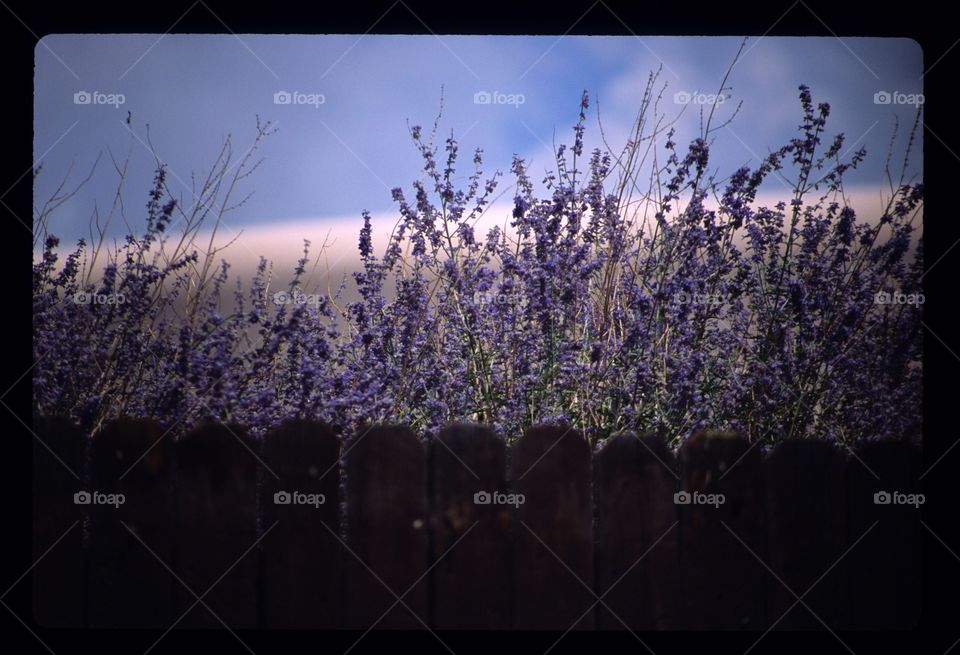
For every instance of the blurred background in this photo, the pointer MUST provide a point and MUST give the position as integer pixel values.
(342, 106)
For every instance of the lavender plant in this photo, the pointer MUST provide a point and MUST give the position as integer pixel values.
(601, 304)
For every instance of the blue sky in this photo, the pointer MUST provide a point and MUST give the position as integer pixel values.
(331, 159)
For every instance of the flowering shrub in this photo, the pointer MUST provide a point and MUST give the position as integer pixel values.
(689, 307)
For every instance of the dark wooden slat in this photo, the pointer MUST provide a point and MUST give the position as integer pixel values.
(302, 555)
(471, 577)
(553, 551)
(723, 580)
(885, 565)
(59, 594)
(386, 529)
(637, 573)
(217, 527)
(806, 535)
(132, 544)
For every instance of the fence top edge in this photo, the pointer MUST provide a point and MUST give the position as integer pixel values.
(471, 429)
(126, 424)
(294, 424)
(62, 423)
(650, 443)
(552, 439)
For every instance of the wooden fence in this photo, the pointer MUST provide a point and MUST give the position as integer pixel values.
(387, 531)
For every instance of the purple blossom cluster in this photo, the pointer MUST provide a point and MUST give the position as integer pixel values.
(710, 312)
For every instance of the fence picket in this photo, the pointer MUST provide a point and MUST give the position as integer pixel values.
(637, 572)
(217, 528)
(806, 533)
(553, 548)
(386, 529)
(720, 544)
(59, 578)
(469, 540)
(302, 581)
(131, 544)
(885, 565)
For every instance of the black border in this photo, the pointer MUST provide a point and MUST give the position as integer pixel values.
(931, 27)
